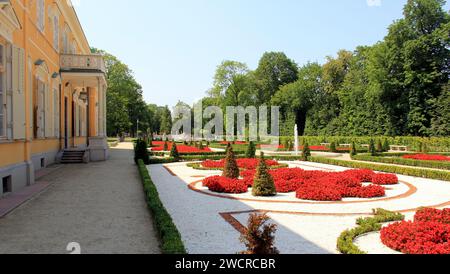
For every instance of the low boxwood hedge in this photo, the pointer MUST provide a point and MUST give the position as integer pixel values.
(414, 172)
(388, 159)
(170, 236)
(345, 243)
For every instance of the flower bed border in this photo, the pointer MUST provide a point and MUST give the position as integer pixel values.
(345, 243)
(168, 232)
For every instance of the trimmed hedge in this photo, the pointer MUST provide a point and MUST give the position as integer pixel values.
(403, 161)
(170, 236)
(414, 172)
(345, 243)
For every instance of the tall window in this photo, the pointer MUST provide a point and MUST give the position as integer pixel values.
(56, 106)
(40, 14)
(56, 32)
(2, 94)
(40, 110)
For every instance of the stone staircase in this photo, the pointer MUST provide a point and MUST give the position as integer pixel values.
(73, 157)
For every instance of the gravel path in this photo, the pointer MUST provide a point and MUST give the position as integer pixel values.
(101, 206)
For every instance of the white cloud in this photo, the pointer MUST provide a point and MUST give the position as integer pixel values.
(373, 3)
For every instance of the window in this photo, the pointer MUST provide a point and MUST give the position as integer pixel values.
(40, 110)
(6, 185)
(40, 14)
(2, 95)
(56, 32)
(56, 106)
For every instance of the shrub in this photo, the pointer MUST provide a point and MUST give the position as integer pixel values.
(365, 225)
(259, 236)
(166, 146)
(379, 146)
(264, 184)
(372, 149)
(386, 146)
(333, 147)
(251, 150)
(231, 169)
(141, 152)
(221, 184)
(174, 152)
(354, 150)
(306, 153)
(150, 141)
(171, 242)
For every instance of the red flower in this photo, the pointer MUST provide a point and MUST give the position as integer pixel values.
(225, 185)
(159, 146)
(385, 179)
(248, 164)
(427, 157)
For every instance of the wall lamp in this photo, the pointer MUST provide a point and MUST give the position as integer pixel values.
(39, 62)
(55, 75)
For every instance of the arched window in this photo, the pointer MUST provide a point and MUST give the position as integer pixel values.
(40, 14)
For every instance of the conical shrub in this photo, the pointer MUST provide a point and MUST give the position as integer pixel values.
(251, 150)
(174, 152)
(264, 184)
(231, 169)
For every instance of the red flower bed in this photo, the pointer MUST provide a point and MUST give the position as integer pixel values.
(320, 185)
(242, 163)
(428, 234)
(428, 157)
(235, 143)
(159, 146)
(385, 179)
(224, 185)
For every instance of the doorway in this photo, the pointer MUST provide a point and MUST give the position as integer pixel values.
(66, 134)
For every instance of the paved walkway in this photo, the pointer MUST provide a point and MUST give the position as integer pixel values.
(101, 206)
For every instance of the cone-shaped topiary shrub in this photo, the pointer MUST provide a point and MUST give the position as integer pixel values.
(141, 152)
(231, 169)
(306, 152)
(386, 146)
(166, 146)
(379, 146)
(263, 184)
(333, 147)
(372, 149)
(200, 145)
(174, 152)
(150, 141)
(251, 151)
(354, 150)
(259, 236)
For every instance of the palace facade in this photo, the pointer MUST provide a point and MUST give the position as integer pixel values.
(52, 91)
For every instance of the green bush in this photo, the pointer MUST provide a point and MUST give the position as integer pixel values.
(372, 149)
(171, 242)
(354, 150)
(306, 152)
(264, 184)
(141, 152)
(333, 147)
(415, 172)
(345, 243)
(174, 152)
(231, 169)
(386, 145)
(251, 150)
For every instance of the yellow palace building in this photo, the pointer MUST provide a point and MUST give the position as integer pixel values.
(52, 91)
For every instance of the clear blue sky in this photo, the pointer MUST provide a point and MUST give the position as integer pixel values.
(174, 46)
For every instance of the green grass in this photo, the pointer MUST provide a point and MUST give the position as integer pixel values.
(171, 242)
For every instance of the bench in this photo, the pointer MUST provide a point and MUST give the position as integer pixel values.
(399, 148)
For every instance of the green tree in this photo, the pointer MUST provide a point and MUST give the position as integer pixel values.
(251, 150)
(306, 152)
(231, 169)
(263, 185)
(354, 150)
(174, 152)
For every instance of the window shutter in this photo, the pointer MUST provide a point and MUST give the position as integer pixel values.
(48, 115)
(18, 96)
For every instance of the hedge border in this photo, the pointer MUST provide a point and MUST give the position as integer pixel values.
(168, 232)
(345, 242)
(401, 161)
(198, 166)
(414, 172)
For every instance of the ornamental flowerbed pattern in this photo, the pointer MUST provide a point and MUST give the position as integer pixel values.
(429, 233)
(428, 157)
(311, 185)
(159, 146)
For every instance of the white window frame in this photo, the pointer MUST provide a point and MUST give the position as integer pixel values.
(40, 7)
